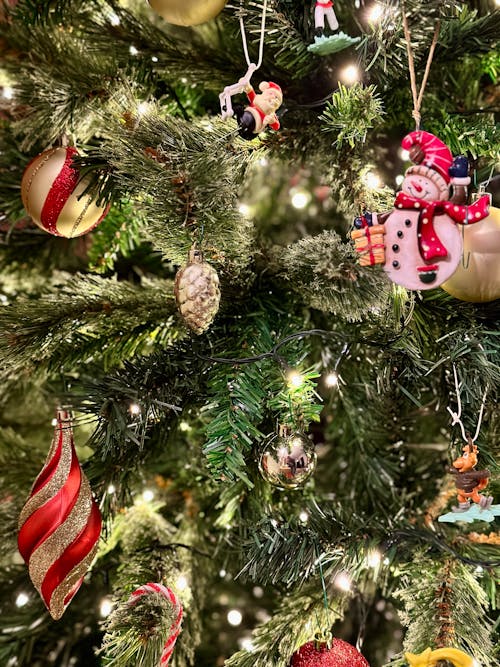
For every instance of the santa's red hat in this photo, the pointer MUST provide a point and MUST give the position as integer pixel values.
(436, 160)
(264, 85)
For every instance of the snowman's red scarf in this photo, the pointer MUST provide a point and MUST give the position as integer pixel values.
(428, 242)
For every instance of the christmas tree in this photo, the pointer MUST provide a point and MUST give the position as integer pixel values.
(265, 425)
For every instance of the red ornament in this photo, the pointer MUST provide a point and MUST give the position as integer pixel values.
(341, 654)
(60, 524)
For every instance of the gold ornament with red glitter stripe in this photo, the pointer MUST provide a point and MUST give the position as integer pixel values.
(60, 524)
(52, 194)
(338, 654)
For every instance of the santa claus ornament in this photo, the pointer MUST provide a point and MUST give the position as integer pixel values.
(260, 111)
(338, 654)
(53, 194)
(419, 243)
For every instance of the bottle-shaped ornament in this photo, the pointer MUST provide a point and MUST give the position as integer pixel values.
(288, 459)
(419, 243)
(328, 39)
(197, 292)
(60, 524)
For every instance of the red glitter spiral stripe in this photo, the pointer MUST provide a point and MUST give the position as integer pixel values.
(59, 193)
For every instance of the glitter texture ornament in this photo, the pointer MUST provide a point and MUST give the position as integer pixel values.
(341, 654)
(175, 629)
(60, 524)
(53, 196)
(288, 459)
(477, 278)
(187, 12)
(197, 292)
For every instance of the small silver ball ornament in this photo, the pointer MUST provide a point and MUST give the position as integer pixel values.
(288, 459)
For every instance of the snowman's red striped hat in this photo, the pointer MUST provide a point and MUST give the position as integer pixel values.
(436, 161)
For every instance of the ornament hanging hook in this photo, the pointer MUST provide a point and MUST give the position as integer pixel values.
(456, 416)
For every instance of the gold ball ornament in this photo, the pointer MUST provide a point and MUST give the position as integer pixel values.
(187, 12)
(477, 278)
(52, 194)
(197, 292)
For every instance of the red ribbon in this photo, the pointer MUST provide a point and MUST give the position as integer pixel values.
(429, 243)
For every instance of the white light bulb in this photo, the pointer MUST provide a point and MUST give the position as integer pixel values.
(184, 426)
(133, 51)
(154, 59)
(350, 74)
(399, 179)
(148, 495)
(111, 489)
(141, 110)
(304, 517)
(404, 154)
(114, 19)
(182, 583)
(372, 180)
(295, 379)
(374, 559)
(106, 607)
(234, 617)
(222, 573)
(332, 379)
(22, 599)
(386, 561)
(479, 570)
(301, 199)
(375, 13)
(245, 210)
(263, 161)
(343, 581)
(54, 422)
(134, 409)
(247, 644)
(8, 93)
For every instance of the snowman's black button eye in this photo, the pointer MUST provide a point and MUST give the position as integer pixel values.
(400, 234)
(395, 247)
(408, 222)
(396, 265)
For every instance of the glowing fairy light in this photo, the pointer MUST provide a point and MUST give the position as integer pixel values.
(142, 108)
(148, 495)
(111, 489)
(134, 409)
(350, 74)
(372, 180)
(404, 154)
(133, 50)
(22, 599)
(300, 199)
(375, 13)
(8, 93)
(154, 59)
(343, 582)
(114, 19)
(182, 583)
(234, 617)
(245, 210)
(295, 380)
(222, 573)
(54, 422)
(332, 379)
(304, 517)
(247, 644)
(399, 179)
(373, 559)
(106, 607)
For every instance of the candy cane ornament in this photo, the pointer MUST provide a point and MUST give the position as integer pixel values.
(175, 628)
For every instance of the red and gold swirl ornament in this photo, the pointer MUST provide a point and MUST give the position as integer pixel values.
(60, 524)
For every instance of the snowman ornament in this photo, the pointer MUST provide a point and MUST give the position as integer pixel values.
(419, 242)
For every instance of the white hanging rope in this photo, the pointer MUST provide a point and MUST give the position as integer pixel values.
(456, 416)
(262, 35)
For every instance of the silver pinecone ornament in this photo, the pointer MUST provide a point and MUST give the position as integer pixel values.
(197, 292)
